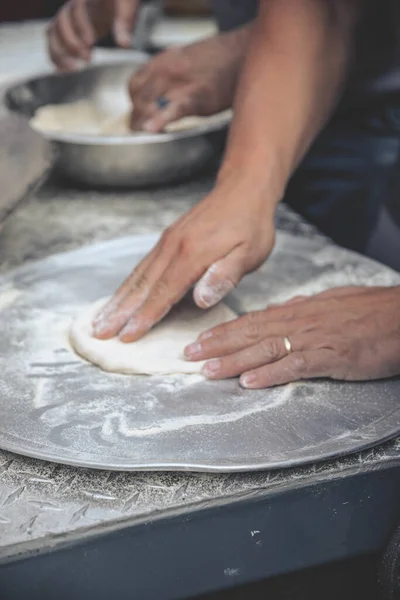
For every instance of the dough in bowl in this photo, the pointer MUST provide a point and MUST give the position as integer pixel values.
(159, 352)
(84, 117)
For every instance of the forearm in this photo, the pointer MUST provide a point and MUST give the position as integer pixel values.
(292, 78)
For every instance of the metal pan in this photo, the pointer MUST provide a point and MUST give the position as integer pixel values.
(135, 161)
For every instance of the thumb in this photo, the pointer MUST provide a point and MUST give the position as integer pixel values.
(125, 13)
(219, 279)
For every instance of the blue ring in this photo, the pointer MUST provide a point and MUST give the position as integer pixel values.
(162, 102)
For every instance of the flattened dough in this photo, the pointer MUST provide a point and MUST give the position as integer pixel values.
(84, 117)
(160, 352)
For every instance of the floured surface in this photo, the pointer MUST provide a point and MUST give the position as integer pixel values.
(86, 118)
(57, 407)
(160, 352)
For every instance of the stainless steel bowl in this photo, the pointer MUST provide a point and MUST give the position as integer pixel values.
(133, 161)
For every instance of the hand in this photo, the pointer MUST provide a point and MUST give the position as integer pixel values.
(79, 24)
(199, 79)
(223, 237)
(350, 333)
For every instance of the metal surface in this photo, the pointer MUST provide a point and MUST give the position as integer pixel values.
(269, 532)
(57, 407)
(25, 160)
(138, 160)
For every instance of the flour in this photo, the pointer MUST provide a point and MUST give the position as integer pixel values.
(8, 296)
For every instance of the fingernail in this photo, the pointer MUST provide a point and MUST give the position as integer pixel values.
(207, 293)
(193, 349)
(212, 366)
(247, 380)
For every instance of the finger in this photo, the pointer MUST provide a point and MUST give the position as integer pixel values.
(265, 352)
(69, 37)
(58, 53)
(233, 339)
(220, 279)
(124, 289)
(82, 23)
(125, 13)
(308, 364)
(131, 294)
(169, 289)
(305, 314)
(141, 113)
(145, 105)
(249, 326)
(181, 104)
(139, 77)
(147, 87)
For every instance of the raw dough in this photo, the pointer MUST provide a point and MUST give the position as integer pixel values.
(158, 352)
(84, 117)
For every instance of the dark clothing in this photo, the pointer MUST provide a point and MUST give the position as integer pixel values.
(350, 172)
(353, 168)
(376, 65)
(231, 14)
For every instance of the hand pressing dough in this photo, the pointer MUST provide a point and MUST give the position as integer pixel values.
(159, 352)
(84, 117)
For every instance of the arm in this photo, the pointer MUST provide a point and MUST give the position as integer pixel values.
(296, 65)
(292, 79)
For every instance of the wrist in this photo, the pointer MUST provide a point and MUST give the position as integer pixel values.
(258, 182)
(246, 193)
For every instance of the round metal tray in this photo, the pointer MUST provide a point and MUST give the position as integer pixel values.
(57, 407)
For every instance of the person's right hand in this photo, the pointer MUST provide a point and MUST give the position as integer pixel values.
(79, 24)
(223, 237)
(198, 79)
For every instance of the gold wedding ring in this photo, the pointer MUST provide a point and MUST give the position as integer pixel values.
(288, 345)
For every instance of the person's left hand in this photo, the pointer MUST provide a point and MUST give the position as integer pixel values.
(350, 333)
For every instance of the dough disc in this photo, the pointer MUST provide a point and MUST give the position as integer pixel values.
(160, 352)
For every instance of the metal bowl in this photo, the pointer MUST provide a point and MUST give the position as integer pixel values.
(135, 161)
